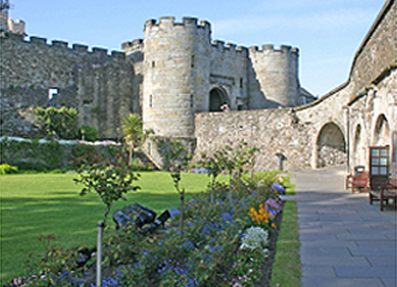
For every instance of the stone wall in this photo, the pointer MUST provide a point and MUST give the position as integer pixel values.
(97, 84)
(378, 50)
(273, 131)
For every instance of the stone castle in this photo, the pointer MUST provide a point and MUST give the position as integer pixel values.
(177, 77)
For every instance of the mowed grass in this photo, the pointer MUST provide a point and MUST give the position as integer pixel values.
(34, 204)
(286, 269)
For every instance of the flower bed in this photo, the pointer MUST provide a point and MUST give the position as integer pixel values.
(224, 244)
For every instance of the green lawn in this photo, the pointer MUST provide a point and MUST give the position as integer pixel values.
(34, 204)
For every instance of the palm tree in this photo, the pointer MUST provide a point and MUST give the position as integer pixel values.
(133, 131)
(135, 136)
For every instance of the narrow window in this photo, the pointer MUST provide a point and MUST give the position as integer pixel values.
(150, 101)
(241, 82)
(153, 64)
(51, 93)
(191, 101)
(192, 63)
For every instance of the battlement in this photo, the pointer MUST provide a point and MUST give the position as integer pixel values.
(270, 48)
(17, 27)
(136, 44)
(62, 45)
(169, 22)
(221, 46)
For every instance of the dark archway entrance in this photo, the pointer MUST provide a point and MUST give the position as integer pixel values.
(331, 146)
(217, 97)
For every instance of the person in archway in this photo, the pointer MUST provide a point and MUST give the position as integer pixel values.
(225, 107)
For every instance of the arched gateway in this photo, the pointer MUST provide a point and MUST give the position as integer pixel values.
(217, 97)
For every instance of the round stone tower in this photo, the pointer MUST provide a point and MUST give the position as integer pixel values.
(176, 69)
(276, 70)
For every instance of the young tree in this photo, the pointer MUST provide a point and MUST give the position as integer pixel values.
(109, 182)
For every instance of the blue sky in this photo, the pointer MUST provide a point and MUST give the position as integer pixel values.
(327, 33)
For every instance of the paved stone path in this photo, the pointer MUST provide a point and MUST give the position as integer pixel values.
(344, 240)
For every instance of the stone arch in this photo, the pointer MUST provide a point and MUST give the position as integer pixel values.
(331, 146)
(382, 131)
(358, 151)
(217, 95)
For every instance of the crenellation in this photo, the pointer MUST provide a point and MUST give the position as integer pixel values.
(189, 21)
(253, 49)
(80, 48)
(285, 48)
(17, 27)
(100, 51)
(149, 23)
(118, 55)
(295, 50)
(268, 47)
(59, 44)
(166, 22)
(38, 40)
(231, 46)
(218, 44)
(205, 24)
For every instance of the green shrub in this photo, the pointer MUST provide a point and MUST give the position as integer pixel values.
(88, 133)
(31, 166)
(31, 155)
(60, 122)
(8, 169)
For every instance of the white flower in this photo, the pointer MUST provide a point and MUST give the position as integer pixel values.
(255, 238)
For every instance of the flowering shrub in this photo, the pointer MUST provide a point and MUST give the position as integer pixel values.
(263, 217)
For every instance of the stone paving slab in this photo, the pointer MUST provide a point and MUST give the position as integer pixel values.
(374, 250)
(345, 241)
(365, 271)
(336, 282)
(389, 282)
(376, 260)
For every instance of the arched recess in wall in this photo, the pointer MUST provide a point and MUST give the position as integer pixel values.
(381, 132)
(217, 97)
(358, 151)
(331, 146)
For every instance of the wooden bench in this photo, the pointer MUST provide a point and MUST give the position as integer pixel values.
(358, 182)
(384, 193)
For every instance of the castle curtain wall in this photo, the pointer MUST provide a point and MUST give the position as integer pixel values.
(30, 68)
(369, 94)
